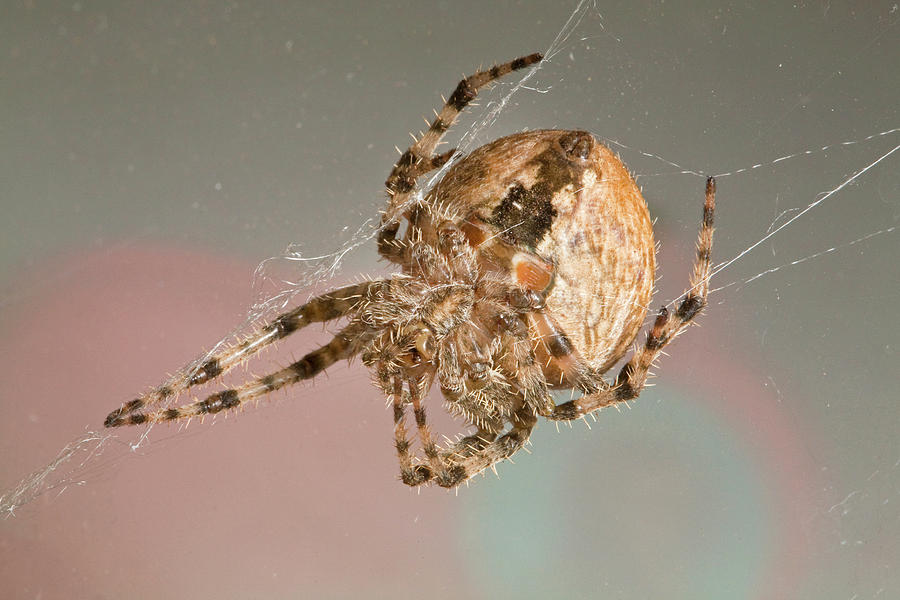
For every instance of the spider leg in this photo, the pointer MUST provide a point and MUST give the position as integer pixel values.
(460, 467)
(344, 345)
(564, 364)
(471, 444)
(388, 245)
(439, 469)
(417, 391)
(633, 376)
(326, 307)
(419, 158)
(470, 455)
(413, 474)
(410, 474)
(519, 361)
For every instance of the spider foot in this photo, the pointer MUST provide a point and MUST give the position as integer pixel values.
(452, 476)
(416, 475)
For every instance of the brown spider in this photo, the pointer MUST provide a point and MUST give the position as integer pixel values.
(528, 267)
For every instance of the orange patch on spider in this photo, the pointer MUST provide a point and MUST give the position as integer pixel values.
(532, 272)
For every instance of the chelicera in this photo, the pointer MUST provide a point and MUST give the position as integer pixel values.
(527, 268)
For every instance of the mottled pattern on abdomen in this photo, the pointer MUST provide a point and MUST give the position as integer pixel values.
(604, 252)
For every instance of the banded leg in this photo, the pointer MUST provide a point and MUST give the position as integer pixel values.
(459, 468)
(564, 365)
(326, 307)
(344, 345)
(470, 445)
(469, 456)
(448, 468)
(633, 376)
(419, 158)
(416, 392)
(389, 246)
(410, 474)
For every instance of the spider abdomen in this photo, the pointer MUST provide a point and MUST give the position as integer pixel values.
(559, 213)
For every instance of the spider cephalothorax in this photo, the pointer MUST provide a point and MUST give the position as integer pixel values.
(527, 267)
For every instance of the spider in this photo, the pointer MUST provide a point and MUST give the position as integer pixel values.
(527, 268)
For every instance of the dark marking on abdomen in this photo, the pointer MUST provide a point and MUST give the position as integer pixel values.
(524, 216)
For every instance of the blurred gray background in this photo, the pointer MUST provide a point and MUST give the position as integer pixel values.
(154, 153)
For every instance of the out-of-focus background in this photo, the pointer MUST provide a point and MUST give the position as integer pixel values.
(154, 153)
